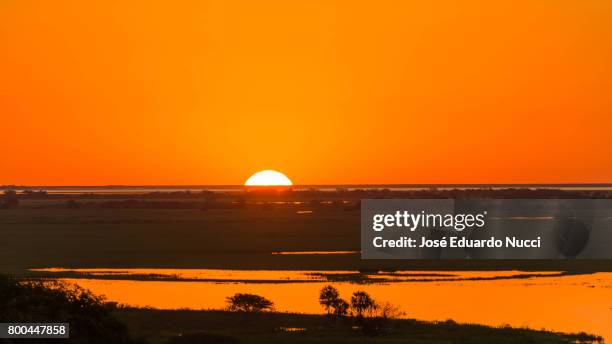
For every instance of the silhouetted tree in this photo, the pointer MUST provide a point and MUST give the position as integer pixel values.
(328, 297)
(248, 303)
(389, 311)
(362, 303)
(341, 308)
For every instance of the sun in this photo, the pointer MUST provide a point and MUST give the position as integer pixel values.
(268, 178)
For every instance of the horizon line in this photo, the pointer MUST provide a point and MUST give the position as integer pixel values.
(371, 185)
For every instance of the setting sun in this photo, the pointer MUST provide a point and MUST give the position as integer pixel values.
(268, 178)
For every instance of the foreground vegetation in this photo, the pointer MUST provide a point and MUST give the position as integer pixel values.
(190, 327)
(205, 231)
(92, 320)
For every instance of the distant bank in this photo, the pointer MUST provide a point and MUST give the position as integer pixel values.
(329, 187)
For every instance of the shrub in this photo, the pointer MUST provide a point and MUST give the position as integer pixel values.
(248, 303)
(90, 318)
(389, 311)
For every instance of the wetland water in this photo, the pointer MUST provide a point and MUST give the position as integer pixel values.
(551, 300)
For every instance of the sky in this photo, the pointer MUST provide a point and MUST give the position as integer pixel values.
(328, 92)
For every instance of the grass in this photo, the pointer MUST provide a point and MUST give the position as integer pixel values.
(157, 326)
(238, 238)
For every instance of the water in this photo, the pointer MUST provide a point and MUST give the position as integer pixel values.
(549, 300)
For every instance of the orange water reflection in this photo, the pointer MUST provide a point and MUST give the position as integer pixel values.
(571, 303)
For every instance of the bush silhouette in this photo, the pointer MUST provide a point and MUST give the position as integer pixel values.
(248, 303)
(362, 303)
(90, 318)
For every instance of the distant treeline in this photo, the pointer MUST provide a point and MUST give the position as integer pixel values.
(202, 205)
(268, 199)
(340, 193)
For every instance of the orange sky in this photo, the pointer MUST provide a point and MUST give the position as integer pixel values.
(194, 92)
